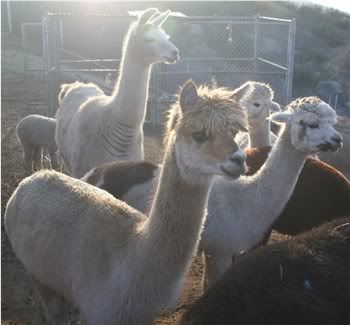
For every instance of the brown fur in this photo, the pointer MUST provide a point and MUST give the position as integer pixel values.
(321, 194)
(120, 176)
(304, 280)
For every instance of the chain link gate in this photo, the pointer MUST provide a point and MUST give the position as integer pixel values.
(227, 50)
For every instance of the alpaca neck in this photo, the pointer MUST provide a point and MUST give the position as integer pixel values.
(259, 132)
(129, 98)
(272, 186)
(175, 222)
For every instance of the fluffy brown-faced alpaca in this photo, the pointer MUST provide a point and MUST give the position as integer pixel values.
(118, 266)
(304, 280)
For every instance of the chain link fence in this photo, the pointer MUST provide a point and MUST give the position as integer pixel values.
(229, 50)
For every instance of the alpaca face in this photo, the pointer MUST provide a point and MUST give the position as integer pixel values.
(311, 123)
(258, 100)
(206, 130)
(153, 43)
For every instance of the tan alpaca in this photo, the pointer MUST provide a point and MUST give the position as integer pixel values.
(118, 266)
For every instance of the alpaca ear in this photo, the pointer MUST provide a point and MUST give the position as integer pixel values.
(280, 117)
(241, 91)
(189, 95)
(147, 15)
(158, 21)
(275, 107)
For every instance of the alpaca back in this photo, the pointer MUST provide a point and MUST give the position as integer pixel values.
(304, 280)
(72, 100)
(37, 131)
(321, 194)
(90, 224)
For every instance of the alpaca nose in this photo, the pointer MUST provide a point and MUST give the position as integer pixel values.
(337, 139)
(175, 52)
(238, 157)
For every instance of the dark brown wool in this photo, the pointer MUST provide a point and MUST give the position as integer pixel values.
(120, 176)
(301, 281)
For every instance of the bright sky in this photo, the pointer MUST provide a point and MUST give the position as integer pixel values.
(343, 5)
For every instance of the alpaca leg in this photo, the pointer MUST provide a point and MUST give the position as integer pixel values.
(38, 158)
(28, 153)
(55, 306)
(216, 265)
(54, 159)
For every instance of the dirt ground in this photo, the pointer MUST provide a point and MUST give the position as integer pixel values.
(20, 303)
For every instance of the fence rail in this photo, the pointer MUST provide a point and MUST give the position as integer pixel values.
(230, 50)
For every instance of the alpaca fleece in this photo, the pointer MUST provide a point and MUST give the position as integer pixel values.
(304, 280)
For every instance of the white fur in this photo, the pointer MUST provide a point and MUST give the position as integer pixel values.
(36, 132)
(93, 128)
(258, 102)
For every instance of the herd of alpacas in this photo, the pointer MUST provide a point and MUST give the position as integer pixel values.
(117, 237)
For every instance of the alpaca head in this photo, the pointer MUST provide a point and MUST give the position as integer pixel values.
(311, 122)
(149, 41)
(257, 100)
(204, 124)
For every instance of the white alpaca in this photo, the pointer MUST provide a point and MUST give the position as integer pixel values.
(36, 132)
(241, 212)
(93, 128)
(258, 103)
(119, 267)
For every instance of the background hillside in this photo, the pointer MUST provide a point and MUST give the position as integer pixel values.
(322, 38)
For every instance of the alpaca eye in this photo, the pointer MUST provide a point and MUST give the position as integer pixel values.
(256, 104)
(200, 137)
(312, 125)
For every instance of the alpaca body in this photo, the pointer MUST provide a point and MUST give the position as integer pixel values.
(116, 265)
(304, 280)
(36, 132)
(93, 128)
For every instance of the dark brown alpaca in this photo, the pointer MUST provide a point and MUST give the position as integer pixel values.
(304, 280)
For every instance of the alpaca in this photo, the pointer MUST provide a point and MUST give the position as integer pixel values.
(304, 280)
(258, 103)
(119, 267)
(36, 132)
(93, 128)
(241, 212)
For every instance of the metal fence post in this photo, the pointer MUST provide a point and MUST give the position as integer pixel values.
(24, 46)
(256, 21)
(51, 53)
(290, 59)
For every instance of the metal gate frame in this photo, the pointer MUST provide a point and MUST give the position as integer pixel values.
(53, 40)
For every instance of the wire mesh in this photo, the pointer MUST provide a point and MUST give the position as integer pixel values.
(229, 50)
